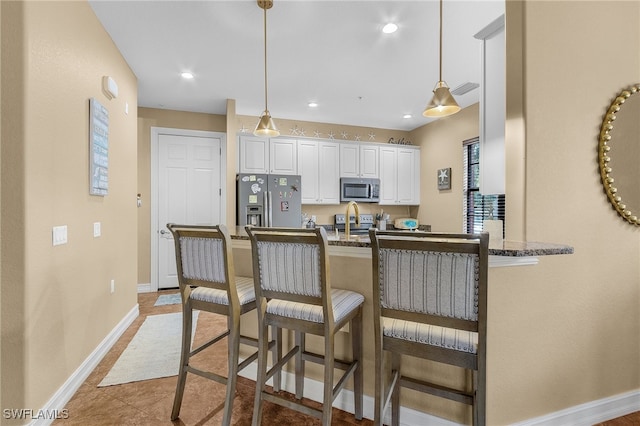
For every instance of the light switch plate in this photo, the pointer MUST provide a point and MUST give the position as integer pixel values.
(96, 229)
(59, 235)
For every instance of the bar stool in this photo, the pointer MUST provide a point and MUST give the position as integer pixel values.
(207, 282)
(293, 291)
(430, 302)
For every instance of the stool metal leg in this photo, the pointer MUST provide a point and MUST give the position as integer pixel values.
(263, 347)
(276, 355)
(232, 376)
(329, 356)
(356, 345)
(395, 395)
(184, 359)
(300, 343)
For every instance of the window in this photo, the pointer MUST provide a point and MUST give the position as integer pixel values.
(477, 207)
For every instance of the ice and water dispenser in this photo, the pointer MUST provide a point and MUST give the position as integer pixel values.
(254, 215)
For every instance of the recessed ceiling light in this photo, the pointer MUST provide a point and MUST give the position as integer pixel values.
(187, 75)
(407, 116)
(312, 104)
(390, 28)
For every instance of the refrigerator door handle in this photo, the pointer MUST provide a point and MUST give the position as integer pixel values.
(265, 196)
(269, 207)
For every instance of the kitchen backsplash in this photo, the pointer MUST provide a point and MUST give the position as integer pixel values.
(325, 213)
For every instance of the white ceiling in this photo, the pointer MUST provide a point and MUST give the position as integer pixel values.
(328, 51)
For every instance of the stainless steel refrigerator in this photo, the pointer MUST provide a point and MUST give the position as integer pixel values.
(269, 200)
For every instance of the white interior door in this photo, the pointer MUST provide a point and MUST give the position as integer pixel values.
(189, 191)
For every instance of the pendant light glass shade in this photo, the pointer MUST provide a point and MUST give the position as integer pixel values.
(265, 126)
(442, 103)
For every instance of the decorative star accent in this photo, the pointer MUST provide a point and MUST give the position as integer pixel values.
(372, 136)
(344, 135)
(357, 137)
(243, 129)
(294, 130)
(331, 135)
(301, 132)
(316, 134)
(443, 175)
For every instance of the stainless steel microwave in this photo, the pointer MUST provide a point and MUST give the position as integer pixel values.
(360, 190)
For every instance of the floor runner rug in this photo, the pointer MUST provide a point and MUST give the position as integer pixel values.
(153, 352)
(168, 299)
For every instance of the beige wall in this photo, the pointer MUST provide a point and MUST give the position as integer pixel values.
(440, 147)
(567, 331)
(56, 301)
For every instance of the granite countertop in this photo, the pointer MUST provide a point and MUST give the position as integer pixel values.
(507, 248)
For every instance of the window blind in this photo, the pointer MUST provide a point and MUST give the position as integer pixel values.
(477, 207)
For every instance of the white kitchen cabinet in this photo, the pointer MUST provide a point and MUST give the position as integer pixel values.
(253, 155)
(267, 155)
(283, 157)
(359, 160)
(408, 176)
(318, 164)
(399, 175)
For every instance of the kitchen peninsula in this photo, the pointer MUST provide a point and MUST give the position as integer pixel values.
(351, 269)
(507, 253)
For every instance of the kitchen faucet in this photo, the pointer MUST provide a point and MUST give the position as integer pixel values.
(356, 211)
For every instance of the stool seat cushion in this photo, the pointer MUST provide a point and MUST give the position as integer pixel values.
(244, 286)
(343, 301)
(449, 338)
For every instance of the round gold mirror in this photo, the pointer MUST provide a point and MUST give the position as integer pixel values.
(619, 154)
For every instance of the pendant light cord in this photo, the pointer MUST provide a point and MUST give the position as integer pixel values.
(265, 59)
(440, 54)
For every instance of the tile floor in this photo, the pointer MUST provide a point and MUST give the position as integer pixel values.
(632, 419)
(149, 402)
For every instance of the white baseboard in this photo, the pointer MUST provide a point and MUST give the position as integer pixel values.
(591, 412)
(145, 288)
(313, 389)
(581, 415)
(58, 401)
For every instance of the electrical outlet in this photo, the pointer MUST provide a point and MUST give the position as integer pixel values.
(96, 229)
(113, 286)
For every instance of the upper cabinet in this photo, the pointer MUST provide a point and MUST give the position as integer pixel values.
(492, 108)
(359, 160)
(264, 155)
(253, 155)
(318, 163)
(283, 158)
(399, 175)
(321, 164)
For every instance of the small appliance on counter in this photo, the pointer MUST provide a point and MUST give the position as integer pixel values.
(406, 223)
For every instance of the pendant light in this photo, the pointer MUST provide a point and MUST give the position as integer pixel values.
(266, 126)
(442, 103)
